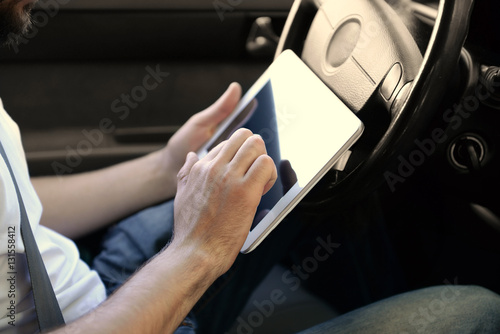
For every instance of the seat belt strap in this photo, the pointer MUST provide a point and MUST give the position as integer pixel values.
(47, 308)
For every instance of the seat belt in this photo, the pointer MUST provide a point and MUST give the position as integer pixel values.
(47, 308)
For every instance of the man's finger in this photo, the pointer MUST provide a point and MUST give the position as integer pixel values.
(215, 151)
(221, 108)
(191, 159)
(232, 146)
(252, 148)
(262, 174)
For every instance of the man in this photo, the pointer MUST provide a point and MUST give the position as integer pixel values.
(215, 200)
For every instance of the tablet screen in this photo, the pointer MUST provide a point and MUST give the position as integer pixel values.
(304, 125)
(297, 133)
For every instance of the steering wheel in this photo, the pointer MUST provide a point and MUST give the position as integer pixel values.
(365, 54)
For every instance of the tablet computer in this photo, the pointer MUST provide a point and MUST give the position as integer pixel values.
(306, 129)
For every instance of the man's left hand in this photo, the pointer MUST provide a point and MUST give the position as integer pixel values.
(198, 130)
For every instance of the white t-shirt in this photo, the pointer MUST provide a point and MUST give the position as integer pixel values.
(78, 289)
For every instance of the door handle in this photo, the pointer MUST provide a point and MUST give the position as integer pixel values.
(262, 40)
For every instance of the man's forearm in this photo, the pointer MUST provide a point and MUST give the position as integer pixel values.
(156, 299)
(77, 204)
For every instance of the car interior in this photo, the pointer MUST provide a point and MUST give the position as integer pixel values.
(99, 82)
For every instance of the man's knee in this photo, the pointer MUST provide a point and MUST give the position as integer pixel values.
(470, 309)
(481, 303)
(477, 308)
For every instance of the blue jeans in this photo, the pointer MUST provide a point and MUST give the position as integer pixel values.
(443, 309)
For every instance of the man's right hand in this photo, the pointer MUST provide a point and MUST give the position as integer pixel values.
(217, 197)
(214, 208)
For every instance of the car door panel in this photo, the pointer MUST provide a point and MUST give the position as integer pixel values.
(133, 75)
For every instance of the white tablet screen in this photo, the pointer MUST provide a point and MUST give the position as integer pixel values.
(304, 125)
(298, 119)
